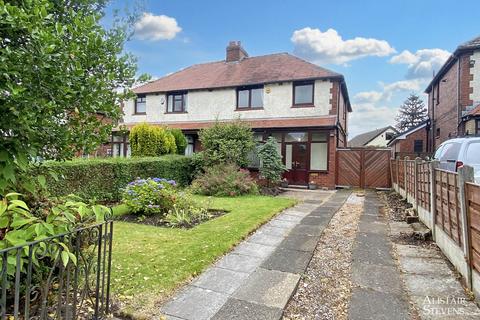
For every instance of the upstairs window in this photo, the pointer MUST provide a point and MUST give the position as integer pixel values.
(141, 104)
(250, 97)
(303, 93)
(177, 102)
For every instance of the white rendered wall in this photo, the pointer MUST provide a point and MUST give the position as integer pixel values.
(381, 140)
(221, 104)
(475, 83)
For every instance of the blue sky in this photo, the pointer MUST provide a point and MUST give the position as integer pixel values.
(385, 49)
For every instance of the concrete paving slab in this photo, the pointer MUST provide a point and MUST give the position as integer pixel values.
(425, 266)
(405, 250)
(289, 217)
(433, 285)
(288, 260)
(235, 309)
(371, 304)
(306, 230)
(436, 307)
(293, 212)
(240, 263)
(190, 304)
(221, 280)
(281, 224)
(372, 248)
(253, 249)
(268, 287)
(373, 227)
(316, 220)
(300, 242)
(265, 239)
(373, 277)
(273, 231)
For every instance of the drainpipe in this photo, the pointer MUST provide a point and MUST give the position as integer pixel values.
(458, 95)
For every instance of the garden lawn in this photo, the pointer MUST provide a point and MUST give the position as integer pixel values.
(150, 262)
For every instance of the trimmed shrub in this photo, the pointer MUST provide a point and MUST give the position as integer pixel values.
(227, 143)
(180, 140)
(271, 165)
(103, 179)
(149, 141)
(224, 180)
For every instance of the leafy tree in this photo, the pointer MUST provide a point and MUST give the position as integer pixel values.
(62, 76)
(180, 140)
(227, 143)
(271, 165)
(151, 141)
(411, 113)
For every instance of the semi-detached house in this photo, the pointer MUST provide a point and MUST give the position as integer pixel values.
(303, 106)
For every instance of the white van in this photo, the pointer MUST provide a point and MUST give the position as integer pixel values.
(457, 152)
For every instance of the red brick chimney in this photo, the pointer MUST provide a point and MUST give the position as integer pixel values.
(235, 52)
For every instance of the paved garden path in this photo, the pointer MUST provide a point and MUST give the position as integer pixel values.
(256, 280)
(378, 291)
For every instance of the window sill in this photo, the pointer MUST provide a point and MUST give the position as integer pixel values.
(176, 112)
(303, 106)
(319, 171)
(140, 114)
(248, 109)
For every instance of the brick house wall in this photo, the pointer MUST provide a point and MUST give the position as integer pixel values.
(454, 90)
(406, 147)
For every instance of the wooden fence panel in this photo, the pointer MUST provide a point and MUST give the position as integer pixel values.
(410, 175)
(423, 185)
(401, 173)
(448, 205)
(377, 169)
(472, 195)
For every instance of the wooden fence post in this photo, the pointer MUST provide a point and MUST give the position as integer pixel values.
(416, 182)
(433, 189)
(405, 176)
(465, 174)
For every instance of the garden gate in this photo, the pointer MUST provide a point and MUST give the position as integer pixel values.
(363, 167)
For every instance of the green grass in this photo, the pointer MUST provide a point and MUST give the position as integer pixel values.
(149, 262)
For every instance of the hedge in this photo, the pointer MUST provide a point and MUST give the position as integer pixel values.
(102, 179)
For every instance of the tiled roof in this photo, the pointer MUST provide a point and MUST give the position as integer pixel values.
(251, 70)
(326, 121)
(472, 44)
(466, 46)
(475, 111)
(362, 139)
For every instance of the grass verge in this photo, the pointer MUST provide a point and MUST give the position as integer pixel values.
(149, 262)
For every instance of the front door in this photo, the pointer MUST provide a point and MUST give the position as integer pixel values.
(296, 161)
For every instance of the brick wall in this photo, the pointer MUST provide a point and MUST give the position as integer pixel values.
(454, 96)
(327, 179)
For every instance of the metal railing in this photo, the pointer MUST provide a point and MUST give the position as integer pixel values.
(66, 276)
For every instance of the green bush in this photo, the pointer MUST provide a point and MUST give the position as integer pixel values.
(224, 180)
(148, 141)
(150, 196)
(103, 179)
(227, 143)
(271, 165)
(180, 140)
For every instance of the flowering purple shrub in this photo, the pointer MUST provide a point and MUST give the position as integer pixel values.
(150, 196)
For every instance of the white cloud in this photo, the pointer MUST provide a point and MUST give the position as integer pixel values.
(422, 63)
(377, 109)
(152, 27)
(329, 47)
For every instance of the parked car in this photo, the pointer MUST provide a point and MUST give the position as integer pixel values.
(457, 152)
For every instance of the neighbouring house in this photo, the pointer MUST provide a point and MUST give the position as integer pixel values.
(375, 138)
(302, 105)
(411, 143)
(453, 95)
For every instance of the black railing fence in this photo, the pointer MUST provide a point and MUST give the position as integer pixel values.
(62, 277)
